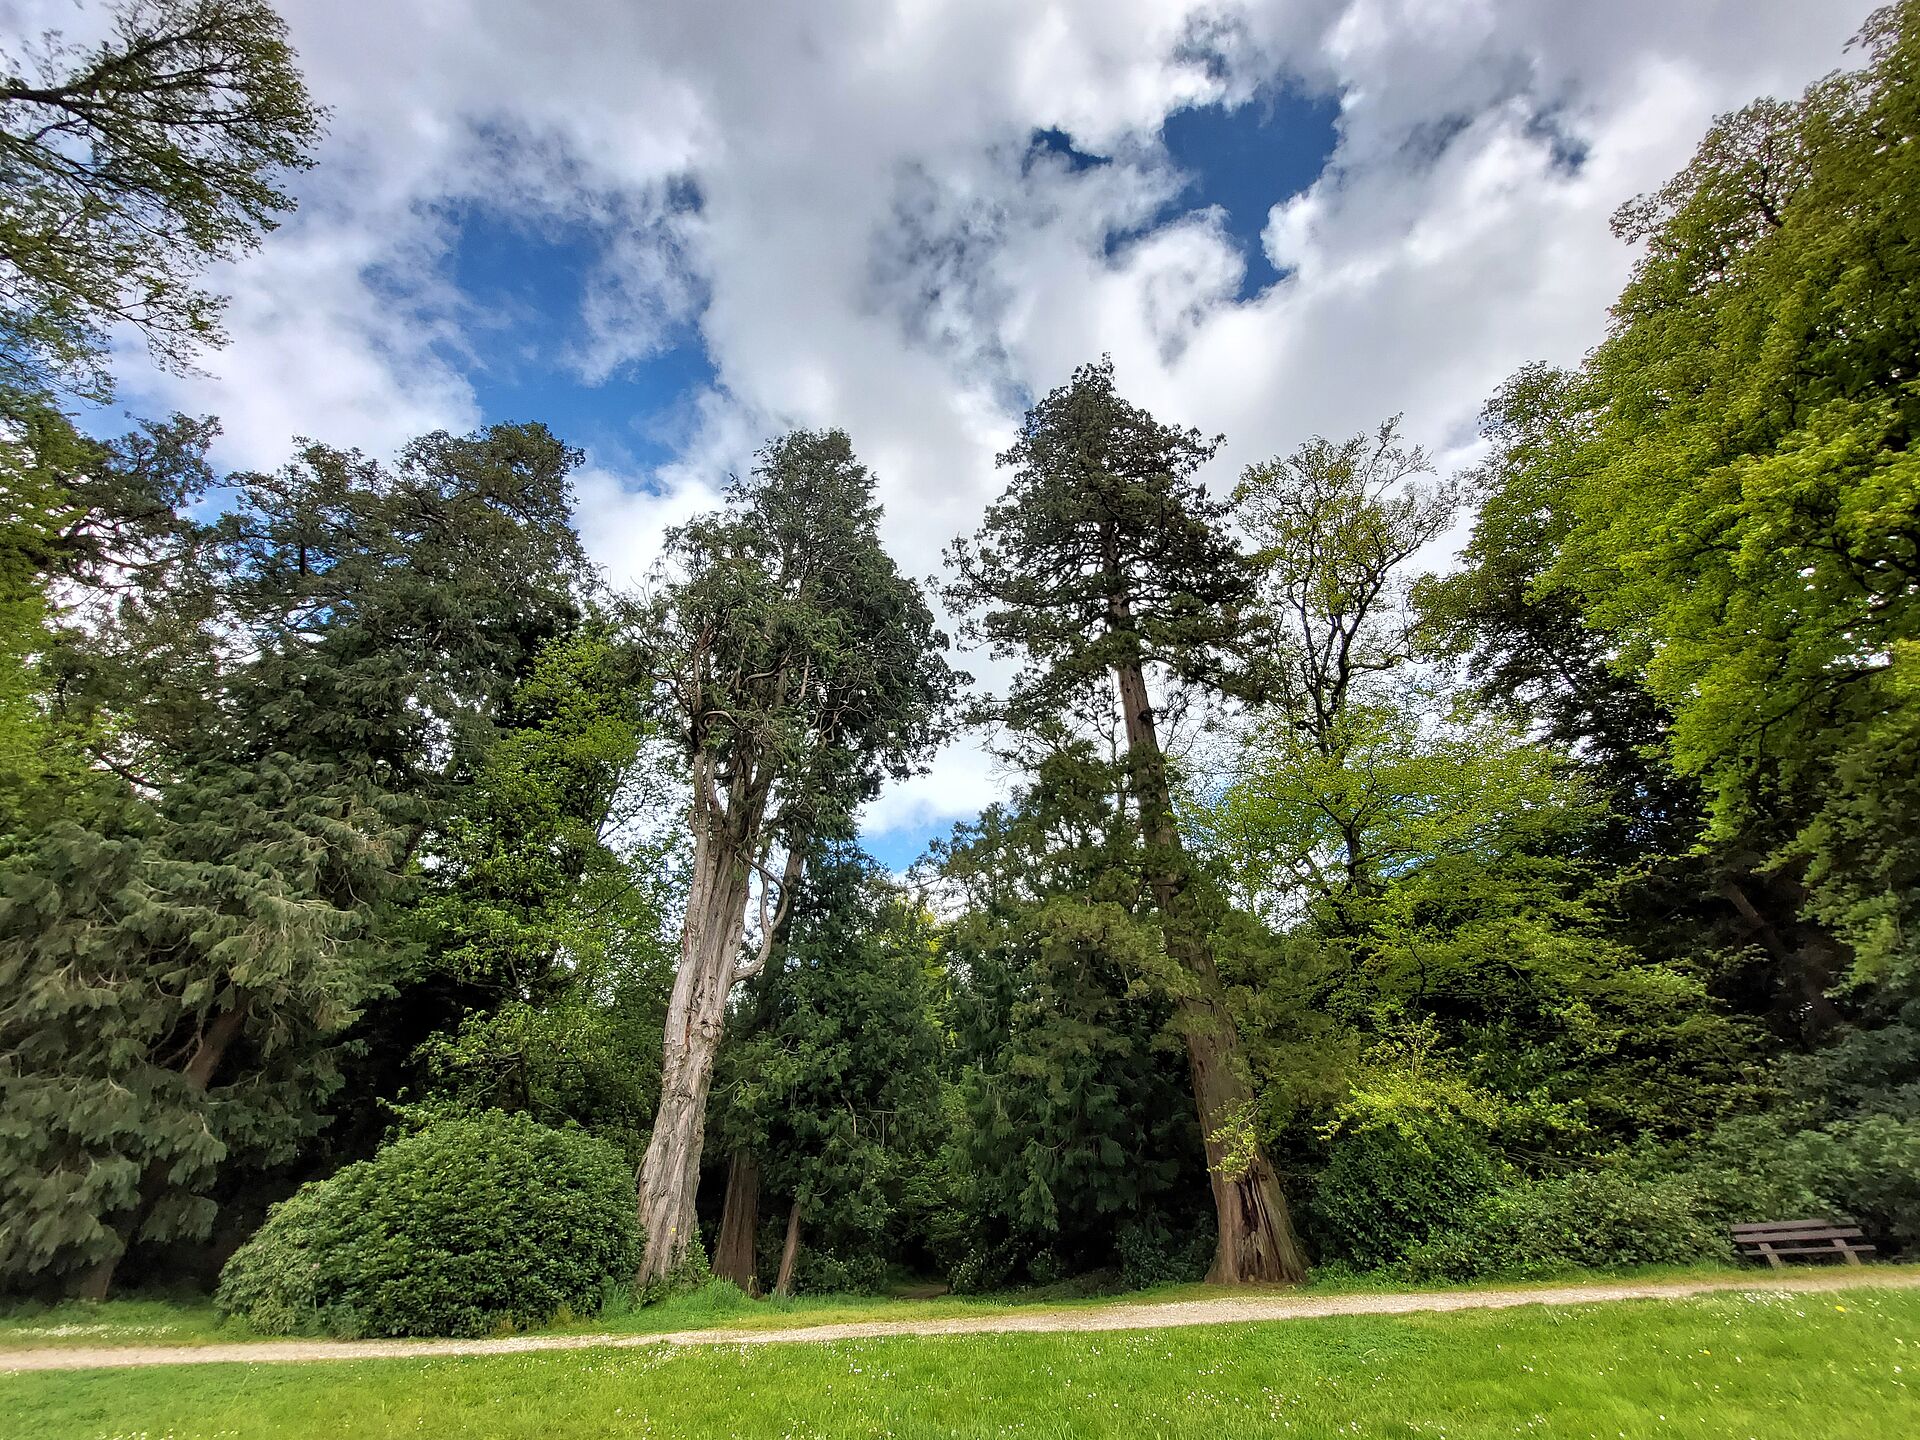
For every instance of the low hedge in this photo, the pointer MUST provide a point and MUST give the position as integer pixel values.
(1589, 1220)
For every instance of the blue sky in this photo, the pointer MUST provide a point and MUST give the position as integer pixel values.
(524, 282)
(672, 230)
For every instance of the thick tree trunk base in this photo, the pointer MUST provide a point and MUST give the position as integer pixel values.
(1256, 1244)
(696, 1016)
(733, 1257)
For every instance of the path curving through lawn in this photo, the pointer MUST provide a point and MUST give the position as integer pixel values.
(1223, 1311)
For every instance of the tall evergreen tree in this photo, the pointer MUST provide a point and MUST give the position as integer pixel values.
(835, 1091)
(1106, 558)
(270, 706)
(1074, 1144)
(796, 668)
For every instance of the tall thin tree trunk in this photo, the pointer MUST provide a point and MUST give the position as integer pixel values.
(733, 1257)
(696, 1015)
(789, 1251)
(734, 1252)
(1256, 1241)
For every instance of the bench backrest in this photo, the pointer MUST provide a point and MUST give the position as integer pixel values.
(1795, 1230)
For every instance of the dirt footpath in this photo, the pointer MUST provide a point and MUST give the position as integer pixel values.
(1223, 1311)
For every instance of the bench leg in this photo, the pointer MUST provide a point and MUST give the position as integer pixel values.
(1847, 1250)
(1772, 1259)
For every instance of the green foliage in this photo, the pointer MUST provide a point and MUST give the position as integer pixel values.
(1071, 1116)
(1382, 1194)
(467, 1227)
(1106, 561)
(1571, 1222)
(544, 907)
(790, 581)
(265, 721)
(691, 1275)
(131, 166)
(821, 1271)
(1150, 1254)
(1732, 493)
(833, 1079)
(1102, 503)
(1764, 1167)
(1412, 1152)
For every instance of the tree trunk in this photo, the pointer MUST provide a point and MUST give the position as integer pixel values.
(733, 1257)
(696, 1015)
(96, 1281)
(789, 1251)
(1803, 970)
(1256, 1243)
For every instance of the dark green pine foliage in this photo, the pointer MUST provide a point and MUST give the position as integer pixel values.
(268, 710)
(837, 1086)
(1074, 1144)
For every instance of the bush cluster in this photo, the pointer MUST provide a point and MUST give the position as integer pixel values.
(1152, 1254)
(470, 1226)
(1865, 1169)
(1382, 1193)
(1591, 1219)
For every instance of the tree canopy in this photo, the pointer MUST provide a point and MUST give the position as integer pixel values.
(126, 168)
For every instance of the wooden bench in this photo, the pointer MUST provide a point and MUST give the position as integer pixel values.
(1815, 1239)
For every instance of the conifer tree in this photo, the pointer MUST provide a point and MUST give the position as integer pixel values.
(835, 1092)
(796, 667)
(268, 708)
(1074, 1145)
(1105, 557)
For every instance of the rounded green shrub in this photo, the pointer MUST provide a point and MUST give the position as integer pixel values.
(1152, 1254)
(1382, 1192)
(1586, 1220)
(469, 1226)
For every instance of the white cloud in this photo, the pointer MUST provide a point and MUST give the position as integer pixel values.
(875, 248)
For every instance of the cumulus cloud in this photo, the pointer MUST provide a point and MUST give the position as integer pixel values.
(844, 201)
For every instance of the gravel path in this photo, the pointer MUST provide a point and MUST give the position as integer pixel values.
(1103, 1317)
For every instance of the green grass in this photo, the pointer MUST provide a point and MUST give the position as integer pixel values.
(193, 1320)
(721, 1306)
(1811, 1367)
(145, 1320)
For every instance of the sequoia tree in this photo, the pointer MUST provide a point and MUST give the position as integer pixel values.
(1106, 556)
(797, 668)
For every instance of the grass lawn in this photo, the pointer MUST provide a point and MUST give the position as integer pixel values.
(192, 1320)
(1776, 1367)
